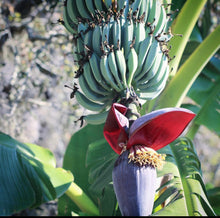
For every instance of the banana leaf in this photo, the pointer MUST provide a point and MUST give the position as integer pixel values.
(100, 160)
(28, 176)
(75, 161)
(185, 194)
(214, 197)
(206, 104)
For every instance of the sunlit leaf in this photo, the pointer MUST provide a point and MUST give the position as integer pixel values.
(74, 160)
(186, 191)
(28, 176)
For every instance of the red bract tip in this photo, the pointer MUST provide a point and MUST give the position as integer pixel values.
(155, 130)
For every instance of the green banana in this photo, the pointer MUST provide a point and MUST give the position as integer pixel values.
(152, 11)
(157, 13)
(122, 20)
(79, 44)
(143, 51)
(116, 33)
(153, 70)
(162, 21)
(113, 68)
(98, 4)
(136, 7)
(88, 40)
(154, 90)
(127, 36)
(153, 51)
(88, 92)
(139, 34)
(96, 119)
(92, 82)
(95, 66)
(72, 11)
(105, 36)
(68, 23)
(82, 8)
(160, 73)
(87, 103)
(97, 39)
(121, 65)
(132, 64)
(106, 73)
(144, 10)
(90, 6)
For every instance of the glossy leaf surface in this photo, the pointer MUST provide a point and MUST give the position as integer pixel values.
(188, 194)
(28, 176)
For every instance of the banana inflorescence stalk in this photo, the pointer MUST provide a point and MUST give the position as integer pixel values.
(121, 52)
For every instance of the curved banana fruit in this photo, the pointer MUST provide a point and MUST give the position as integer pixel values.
(132, 64)
(153, 51)
(158, 78)
(68, 23)
(82, 8)
(87, 103)
(143, 51)
(127, 36)
(92, 82)
(95, 66)
(96, 119)
(113, 68)
(121, 65)
(153, 70)
(72, 11)
(97, 39)
(116, 33)
(153, 91)
(90, 6)
(88, 92)
(139, 34)
(107, 74)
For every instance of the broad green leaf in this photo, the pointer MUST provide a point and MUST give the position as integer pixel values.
(28, 176)
(108, 201)
(74, 160)
(178, 87)
(184, 24)
(186, 191)
(208, 102)
(100, 161)
(214, 198)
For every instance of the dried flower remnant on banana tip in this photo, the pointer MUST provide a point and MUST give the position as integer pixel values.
(134, 173)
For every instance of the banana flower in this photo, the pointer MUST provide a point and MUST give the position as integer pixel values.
(136, 142)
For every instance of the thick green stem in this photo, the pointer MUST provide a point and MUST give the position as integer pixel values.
(184, 25)
(178, 87)
(76, 194)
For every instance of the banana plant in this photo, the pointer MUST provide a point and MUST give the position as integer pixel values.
(181, 190)
(85, 186)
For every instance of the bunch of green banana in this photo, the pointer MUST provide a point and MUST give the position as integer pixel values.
(121, 51)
